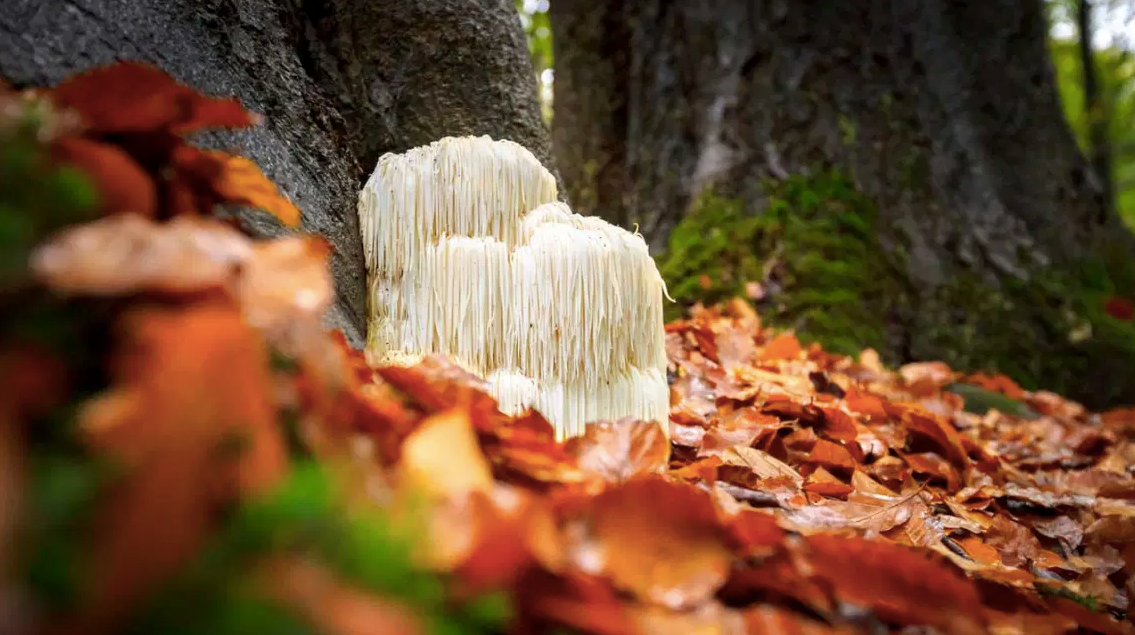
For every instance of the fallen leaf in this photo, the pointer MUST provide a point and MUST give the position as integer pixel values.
(443, 459)
(830, 455)
(784, 346)
(823, 483)
(906, 587)
(762, 464)
(285, 281)
(735, 347)
(619, 450)
(660, 541)
(942, 435)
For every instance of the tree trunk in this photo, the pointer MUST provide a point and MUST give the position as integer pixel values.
(942, 115)
(340, 82)
(1096, 110)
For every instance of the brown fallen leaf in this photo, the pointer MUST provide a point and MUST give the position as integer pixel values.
(761, 463)
(832, 456)
(442, 458)
(619, 450)
(906, 586)
(658, 540)
(286, 281)
(823, 483)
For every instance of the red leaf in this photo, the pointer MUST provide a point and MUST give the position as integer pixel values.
(137, 97)
(904, 586)
(1119, 308)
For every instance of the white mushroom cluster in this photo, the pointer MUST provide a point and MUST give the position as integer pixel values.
(469, 255)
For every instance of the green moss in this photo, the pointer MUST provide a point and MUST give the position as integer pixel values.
(817, 248)
(1050, 332)
(818, 242)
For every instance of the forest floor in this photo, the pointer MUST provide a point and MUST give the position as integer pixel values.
(184, 449)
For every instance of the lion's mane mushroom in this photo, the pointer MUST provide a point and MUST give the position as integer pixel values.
(469, 255)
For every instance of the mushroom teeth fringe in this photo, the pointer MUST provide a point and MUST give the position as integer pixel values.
(469, 255)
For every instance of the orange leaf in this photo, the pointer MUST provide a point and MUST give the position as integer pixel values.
(830, 455)
(823, 483)
(621, 449)
(582, 603)
(287, 280)
(979, 551)
(943, 435)
(236, 180)
(137, 97)
(192, 420)
(996, 383)
(783, 346)
(442, 457)
(905, 586)
(122, 184)
(769, 619)
(756, 533)
(660, 541)
(934, 465)
(866, 404)
(735, 347)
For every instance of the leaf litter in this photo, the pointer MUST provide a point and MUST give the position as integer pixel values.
(798, 491)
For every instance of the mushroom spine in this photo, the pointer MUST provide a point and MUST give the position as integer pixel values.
(470, 255)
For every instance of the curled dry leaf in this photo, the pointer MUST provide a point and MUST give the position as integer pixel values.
(619, 450)
(945, 438)
(128, 253)
(234, 179)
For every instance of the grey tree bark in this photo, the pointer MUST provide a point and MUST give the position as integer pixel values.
(340, 82)
(944, 113)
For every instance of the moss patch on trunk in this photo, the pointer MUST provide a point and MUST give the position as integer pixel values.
(815, 249)
(1051, 332)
